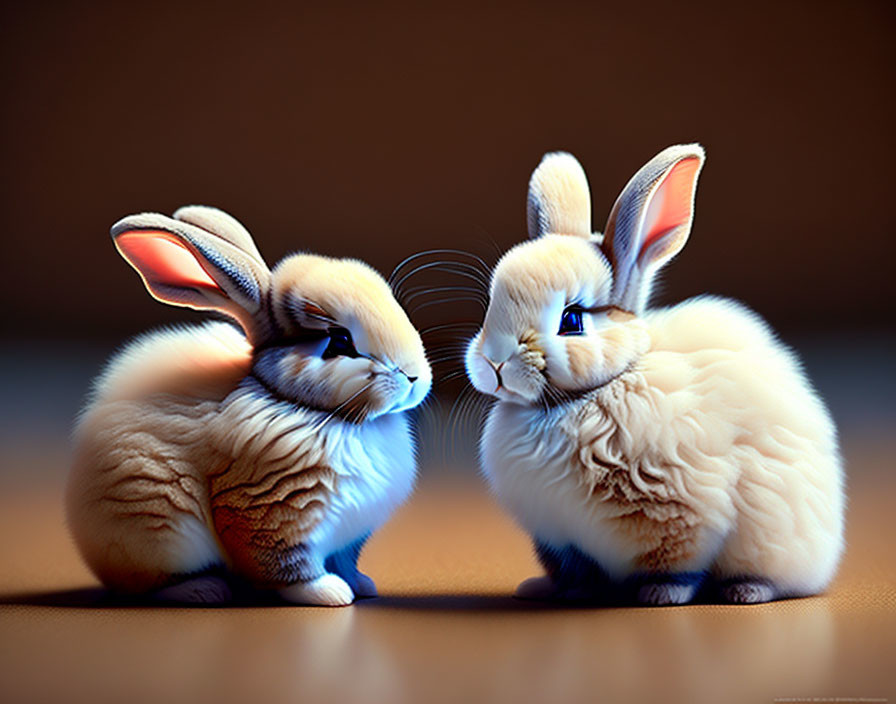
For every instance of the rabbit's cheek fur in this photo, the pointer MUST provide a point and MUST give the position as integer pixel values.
(480, 373)
(522, 380)
(321, 384)
(357, 389)
(386, 392)
(593, 360)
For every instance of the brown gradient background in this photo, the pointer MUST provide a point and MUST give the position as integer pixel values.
(379, 131)
(375, 132)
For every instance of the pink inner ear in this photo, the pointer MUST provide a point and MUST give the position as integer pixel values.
(670, 205)
(160, 257)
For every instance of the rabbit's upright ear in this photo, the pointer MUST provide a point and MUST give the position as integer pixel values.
(559, 201)
(201, 258)
(650, 221)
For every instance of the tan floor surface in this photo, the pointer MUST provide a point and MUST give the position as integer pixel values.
(445, 629)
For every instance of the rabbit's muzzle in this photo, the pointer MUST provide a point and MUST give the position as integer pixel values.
(518, 378)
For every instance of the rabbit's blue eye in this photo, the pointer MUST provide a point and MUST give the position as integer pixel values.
(571, 321)
(340, 345)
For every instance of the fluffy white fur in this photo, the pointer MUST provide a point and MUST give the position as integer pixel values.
(138, 502)
(670, 441)
(199, 449)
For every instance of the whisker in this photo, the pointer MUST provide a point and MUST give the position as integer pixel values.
(459, 400)
(453, 299)
(554, 397)
(468, 399)
(447, 434)
(449, 345)
(450, 326)
(456, 268)
(470, 418)
(429, 252)
(481, 274)
(423, 419)
(491, 240)
(452, 375)
(342, 405)
(456, 357)
(416, 290)
(448, 348)
(428, 290)
(457, 361)
(447, 338)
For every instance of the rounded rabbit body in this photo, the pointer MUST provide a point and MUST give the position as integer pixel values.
(646, 450)
(271, 452)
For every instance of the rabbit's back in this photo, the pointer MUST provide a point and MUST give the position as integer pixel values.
(197, 361)
(719, 418)
(727, 362)
(733, 367)
(137, 497)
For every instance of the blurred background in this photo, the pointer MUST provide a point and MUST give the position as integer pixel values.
(378, 131)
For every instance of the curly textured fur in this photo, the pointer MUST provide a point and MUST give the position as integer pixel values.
(661, 445)
(207, 448)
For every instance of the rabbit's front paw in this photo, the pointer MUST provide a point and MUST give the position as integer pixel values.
(326, 590)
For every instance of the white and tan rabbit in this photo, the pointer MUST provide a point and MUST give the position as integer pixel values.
(648, 450)
(270, 454)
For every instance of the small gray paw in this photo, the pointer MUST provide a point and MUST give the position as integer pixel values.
(537, 589)
(198, 590)
(666, 594)
(748, 592)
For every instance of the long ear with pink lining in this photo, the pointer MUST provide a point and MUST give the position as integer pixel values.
(201, 258)
(650, 221)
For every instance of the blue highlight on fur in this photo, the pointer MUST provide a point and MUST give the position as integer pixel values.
(578, 576)
(344, 563)
(570, 567)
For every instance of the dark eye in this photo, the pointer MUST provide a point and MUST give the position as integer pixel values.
(571, 321)
(340, 345)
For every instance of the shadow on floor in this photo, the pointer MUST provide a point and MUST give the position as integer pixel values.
(100, 598)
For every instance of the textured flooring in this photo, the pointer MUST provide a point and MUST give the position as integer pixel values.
(444, 628)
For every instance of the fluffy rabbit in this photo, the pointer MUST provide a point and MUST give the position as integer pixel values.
(270, 454)
(648, 450)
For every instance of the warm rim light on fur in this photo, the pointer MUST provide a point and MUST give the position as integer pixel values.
(660, 444)
(258, 452)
